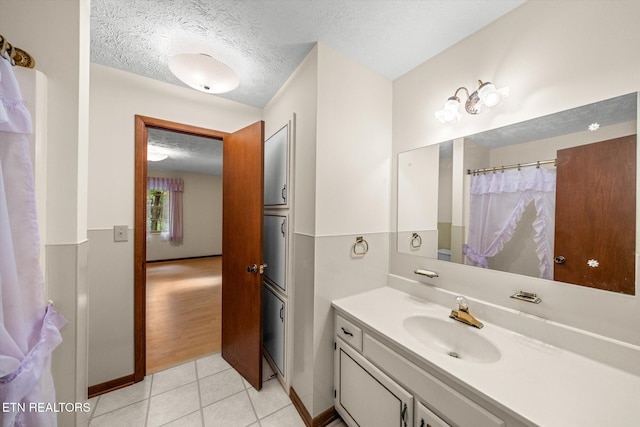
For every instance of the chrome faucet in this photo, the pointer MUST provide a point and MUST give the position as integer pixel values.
(462, 313)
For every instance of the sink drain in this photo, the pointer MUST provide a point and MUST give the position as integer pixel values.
(454, 354)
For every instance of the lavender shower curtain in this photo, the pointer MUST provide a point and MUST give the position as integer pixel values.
(29, 330)
(498, 201)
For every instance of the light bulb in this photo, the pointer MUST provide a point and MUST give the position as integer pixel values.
(449, 113)
(490, 96)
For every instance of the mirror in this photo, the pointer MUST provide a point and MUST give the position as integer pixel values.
(589, 171)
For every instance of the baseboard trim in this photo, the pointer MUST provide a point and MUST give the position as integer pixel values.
(297, 403)
(183, 259)
(324, 419)
(98, 389)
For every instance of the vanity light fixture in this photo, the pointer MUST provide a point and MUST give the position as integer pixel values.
(203, 72)
(486, 96)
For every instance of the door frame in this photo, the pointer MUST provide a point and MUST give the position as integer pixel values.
(142, 124)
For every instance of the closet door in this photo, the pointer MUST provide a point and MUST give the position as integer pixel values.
(275, 249)
(273, 322)
(275, 168)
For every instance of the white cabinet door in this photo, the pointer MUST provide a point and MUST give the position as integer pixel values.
(275, 249)
(275, 168)
(365, 396)
(273, 314)
(426, 418)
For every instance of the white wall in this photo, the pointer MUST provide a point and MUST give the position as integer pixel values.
(202, 218)
(353, 158)
(576, 53)
(117, 96)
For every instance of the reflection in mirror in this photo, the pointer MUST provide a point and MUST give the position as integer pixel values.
(417, 194)
(572, 219)
(445, 190)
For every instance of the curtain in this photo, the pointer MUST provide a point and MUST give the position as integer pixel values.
(498, 201)
(29, 330)
(175, 187)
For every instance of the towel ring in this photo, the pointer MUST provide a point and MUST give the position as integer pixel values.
(360, 247)
(416, 241)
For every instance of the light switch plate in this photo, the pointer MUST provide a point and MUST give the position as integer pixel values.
(120, 233)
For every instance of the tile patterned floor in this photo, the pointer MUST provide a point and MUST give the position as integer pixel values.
(207, 392)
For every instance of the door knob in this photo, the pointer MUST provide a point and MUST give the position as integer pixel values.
(559, 259)
(255, 268)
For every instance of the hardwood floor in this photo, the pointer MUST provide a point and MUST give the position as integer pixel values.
(184, 307)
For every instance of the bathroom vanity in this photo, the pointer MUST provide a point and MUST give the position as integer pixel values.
(401, 361)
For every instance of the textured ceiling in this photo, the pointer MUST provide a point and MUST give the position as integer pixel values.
(187, 153)
(265, 40)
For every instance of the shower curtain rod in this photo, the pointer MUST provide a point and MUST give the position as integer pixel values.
(15, 55)
(517, 166)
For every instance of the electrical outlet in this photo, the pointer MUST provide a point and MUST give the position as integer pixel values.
(120, 233)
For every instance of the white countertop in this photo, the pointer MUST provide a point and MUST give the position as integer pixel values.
(543, 384)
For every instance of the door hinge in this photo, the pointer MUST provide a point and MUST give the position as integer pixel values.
(335, 394)
(335, 346)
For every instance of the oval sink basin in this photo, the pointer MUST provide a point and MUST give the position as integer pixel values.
(452, 338)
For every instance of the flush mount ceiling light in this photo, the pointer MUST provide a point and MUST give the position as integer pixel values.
(203, 72)
(155, 155)
(486, 96)
(594, 127)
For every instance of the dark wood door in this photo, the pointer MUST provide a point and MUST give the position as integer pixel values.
(596, 215)
(242, 212)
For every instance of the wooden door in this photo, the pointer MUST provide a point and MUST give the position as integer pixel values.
(596, 215)
(242, 214)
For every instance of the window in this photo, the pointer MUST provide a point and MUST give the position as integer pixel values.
(164, 208)
(157, 204)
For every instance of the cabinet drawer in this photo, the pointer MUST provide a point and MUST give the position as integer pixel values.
(349, 332)
(276, 153)
(273, 336)
(275, 249)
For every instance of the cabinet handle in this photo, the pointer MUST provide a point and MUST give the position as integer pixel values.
(403, 415)
(423, 425)
(282, 228)
(282, 313)
(283, 193)
(346, 332)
